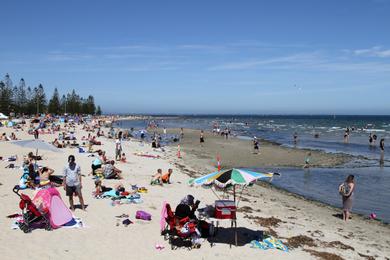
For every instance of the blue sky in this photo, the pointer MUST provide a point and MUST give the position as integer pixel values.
(256, 57)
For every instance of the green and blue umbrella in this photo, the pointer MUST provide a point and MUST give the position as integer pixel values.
(231, 177)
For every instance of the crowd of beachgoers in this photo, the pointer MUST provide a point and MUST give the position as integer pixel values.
(134, 191)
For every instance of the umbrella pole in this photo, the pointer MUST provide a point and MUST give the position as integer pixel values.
(234, 193)
(235, 220)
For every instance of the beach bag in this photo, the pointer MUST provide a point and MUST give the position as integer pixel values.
(143, 215)
(344, 189)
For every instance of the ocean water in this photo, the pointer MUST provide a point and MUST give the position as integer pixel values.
(371, 168)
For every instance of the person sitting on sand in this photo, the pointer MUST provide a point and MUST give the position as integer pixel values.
(99, 188)
(74, 144)
(44, 174)
(4, 137)
(157, 178)
(111, 172)
(97, 162)
(57, 144)
(187, 207)
(31, 156)
(166, 178)
(13, 136)
(123, 158)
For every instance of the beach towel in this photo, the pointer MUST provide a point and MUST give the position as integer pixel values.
(111, 193)
(269, 243)
(74, 223)
(147, 155)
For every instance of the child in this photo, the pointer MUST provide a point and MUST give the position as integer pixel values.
(166, 178)
(157, 178)
(123, 158)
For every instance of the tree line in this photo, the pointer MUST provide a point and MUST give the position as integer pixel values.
(20, 99)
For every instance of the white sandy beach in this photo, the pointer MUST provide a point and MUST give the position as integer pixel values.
(102, 239)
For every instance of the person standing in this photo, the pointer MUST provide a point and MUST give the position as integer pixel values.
(36, 133)
(72, 182)
(201, 138)
(255, 145)
(382, 145)
(307, 160)
(346, 190)
(118, 149)
(295, 137)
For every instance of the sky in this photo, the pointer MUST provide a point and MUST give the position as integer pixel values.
(201, 57)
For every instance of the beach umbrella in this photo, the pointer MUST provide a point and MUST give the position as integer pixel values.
(37, 145)
(231, 177)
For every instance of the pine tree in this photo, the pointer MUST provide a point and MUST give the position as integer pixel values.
(98, 111)
(29, 101)
(30, 107)
(6, 95)
(63, 104)
(21, 97)
(54, 103)
(40, 99)
(90, 105)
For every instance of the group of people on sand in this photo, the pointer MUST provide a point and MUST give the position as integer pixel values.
(43, 177)
(105, 168)
(159, 178)
(11, 137)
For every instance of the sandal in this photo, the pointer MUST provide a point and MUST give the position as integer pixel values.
(142, 190)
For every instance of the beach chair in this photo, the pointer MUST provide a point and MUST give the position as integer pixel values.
(179, 232)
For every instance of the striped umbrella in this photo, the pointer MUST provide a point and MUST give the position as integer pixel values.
(231, 177)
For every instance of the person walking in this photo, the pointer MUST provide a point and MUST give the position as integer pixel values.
(72, 182)
(346, 190)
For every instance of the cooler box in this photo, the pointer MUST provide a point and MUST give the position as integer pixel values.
(225, 209)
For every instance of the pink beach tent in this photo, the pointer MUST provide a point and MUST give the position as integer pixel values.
(49, 201)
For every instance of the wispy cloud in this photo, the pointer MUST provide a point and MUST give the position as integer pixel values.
(306, 61)
(376, 51)
(136, 47)
(64, 56)
(300, 58)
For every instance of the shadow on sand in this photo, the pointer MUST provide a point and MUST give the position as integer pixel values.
(227, 236)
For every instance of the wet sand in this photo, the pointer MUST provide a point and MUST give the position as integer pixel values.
(235, 152)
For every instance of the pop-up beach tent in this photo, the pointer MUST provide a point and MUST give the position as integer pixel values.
(49, 201)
